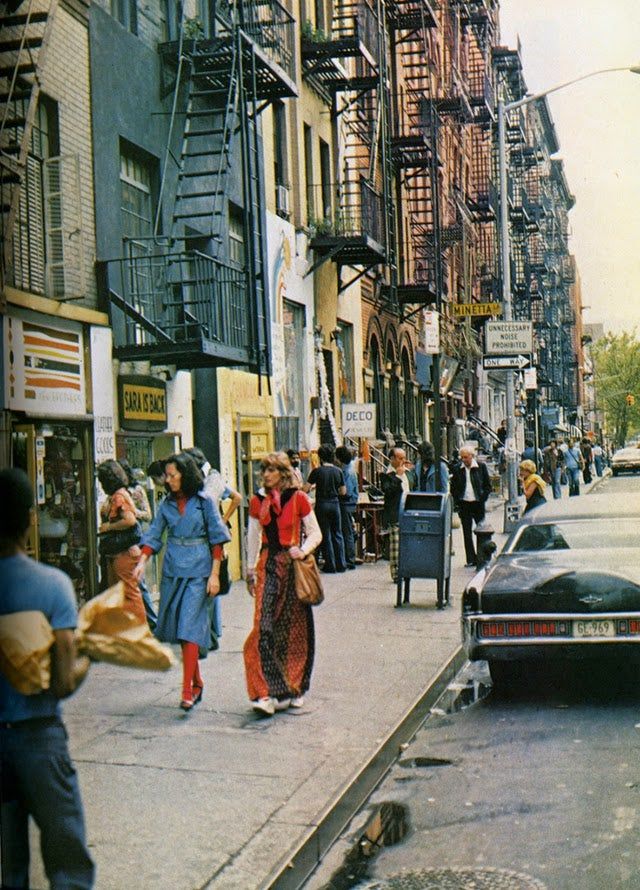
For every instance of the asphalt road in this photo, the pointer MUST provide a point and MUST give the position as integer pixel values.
(535, 788)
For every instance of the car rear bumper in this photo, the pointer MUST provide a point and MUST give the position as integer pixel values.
(529, 646)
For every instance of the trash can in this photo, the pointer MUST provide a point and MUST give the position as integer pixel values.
(425, 542)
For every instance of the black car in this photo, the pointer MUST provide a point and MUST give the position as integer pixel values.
(566, 586)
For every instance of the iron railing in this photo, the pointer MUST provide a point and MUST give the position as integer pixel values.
(272, 27)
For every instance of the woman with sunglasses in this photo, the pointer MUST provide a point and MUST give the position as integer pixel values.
(278, 653)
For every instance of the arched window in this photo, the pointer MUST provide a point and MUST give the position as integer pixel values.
(393, 414)
(408, 400)
(377, 392)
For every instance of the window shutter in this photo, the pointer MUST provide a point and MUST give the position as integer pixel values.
(63, 227)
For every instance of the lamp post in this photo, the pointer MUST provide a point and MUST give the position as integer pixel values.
(504, 108)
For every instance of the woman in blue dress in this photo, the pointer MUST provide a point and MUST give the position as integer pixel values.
(195, 534)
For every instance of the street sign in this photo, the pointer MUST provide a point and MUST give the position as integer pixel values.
(431, 332)
(359, 420)
(506, 362)
(531, 378)
(508, 337)
(462, 310)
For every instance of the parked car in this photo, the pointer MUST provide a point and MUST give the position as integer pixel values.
(565, 586)
(626, 460)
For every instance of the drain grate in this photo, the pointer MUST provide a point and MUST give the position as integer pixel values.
(457, 879)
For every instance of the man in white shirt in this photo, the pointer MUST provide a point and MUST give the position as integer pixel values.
(470, 488)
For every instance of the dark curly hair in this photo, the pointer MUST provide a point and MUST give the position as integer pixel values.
(16, 497)
(112, 476)
(192, 479)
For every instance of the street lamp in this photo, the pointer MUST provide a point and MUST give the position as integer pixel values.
(504, 108)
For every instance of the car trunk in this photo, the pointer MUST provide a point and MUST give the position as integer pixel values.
(567, 581)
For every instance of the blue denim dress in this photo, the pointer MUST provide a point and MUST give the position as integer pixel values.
(182, 614)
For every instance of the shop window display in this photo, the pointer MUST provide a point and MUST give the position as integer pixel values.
(55, 455)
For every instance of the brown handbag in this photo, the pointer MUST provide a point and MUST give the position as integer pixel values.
(307, 577)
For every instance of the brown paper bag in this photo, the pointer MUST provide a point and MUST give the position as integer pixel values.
(25, 641)
(108, 632)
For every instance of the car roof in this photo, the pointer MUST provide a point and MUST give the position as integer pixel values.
(592, 506)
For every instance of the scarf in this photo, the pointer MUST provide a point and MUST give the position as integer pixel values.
(270, 502)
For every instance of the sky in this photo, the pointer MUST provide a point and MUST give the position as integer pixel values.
(598, 127)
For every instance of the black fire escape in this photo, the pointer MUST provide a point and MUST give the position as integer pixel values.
(186, 300)
(354, 217)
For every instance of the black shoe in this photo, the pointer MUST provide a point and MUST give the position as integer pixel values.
(350, 568)
(328, 571)
(468, 565)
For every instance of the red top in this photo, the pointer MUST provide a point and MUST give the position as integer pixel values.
(120, 502)
(217, 551)
(262, 508)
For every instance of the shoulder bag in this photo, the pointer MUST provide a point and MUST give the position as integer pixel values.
(307, 577)
(112, 543)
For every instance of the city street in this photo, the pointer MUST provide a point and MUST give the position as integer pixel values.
(534, 788)
(220, 798)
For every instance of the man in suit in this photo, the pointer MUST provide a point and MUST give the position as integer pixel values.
(470, 488)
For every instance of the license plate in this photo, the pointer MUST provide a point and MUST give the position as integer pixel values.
(594, 628)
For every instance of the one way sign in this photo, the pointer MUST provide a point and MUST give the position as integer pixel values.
(506, 362)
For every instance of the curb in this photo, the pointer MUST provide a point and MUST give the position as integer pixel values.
(300, 862)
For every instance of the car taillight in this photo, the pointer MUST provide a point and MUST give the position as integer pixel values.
(524, 628)
(629, 626)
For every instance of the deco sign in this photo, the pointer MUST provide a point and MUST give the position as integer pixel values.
(143, 403)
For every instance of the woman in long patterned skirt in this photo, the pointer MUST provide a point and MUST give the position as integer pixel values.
(278, 653)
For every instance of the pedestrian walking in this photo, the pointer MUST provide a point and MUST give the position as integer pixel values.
(216, 487)
(348, 503)
(37, 776)
(194, 534)
(279, 651)
(532, 453)
(574, 463)
(144, 516)
(598, 458)
(397, 480)
(470, 488)
(120, 535)
(552, 460)
(328, 482)
(425, 470)
(587, 457)
(532, 485)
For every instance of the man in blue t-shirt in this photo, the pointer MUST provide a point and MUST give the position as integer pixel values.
(348, 503)
(37, 775)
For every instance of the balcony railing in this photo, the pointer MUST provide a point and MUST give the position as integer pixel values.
(272, 27)
(170, 305)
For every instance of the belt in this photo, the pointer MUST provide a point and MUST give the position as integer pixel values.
(188, 542)
(31, 723)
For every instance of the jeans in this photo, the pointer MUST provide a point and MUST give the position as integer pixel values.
(599, 465)
(347, 513)
(574, 481)
(39, 780)
(152, 618)
(328, 515)
(555, 482)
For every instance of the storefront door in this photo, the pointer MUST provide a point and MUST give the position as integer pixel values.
(57, 457)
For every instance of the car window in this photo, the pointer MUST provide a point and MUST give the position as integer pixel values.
(579, 535)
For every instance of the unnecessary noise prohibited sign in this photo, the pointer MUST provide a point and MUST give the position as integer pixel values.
(359, 420)
(508, 337)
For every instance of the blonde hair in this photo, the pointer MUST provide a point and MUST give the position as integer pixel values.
(528, 466)
(279, 460)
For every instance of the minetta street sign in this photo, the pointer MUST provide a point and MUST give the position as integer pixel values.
(464, 310)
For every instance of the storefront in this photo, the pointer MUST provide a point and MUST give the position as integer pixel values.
(143, 415)
(47, 368)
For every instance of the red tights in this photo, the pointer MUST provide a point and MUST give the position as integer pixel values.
(190, 669)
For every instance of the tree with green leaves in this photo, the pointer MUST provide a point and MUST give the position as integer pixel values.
(616, 360)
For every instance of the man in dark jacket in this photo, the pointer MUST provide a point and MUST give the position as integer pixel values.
(470, 488)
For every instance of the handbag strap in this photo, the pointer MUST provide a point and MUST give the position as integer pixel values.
(295, 519)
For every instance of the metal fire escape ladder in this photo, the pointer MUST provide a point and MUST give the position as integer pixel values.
(23, 50)
(384, 113)
(206, 148)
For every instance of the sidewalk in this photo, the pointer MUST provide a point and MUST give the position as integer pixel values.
(219, 798)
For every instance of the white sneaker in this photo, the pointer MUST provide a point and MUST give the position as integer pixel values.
(264, 706)
(297, 702)
(282, 704)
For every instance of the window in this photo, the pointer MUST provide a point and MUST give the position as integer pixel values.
(280, 144)
(125, 12)
(308, 172)
(29, 233)
(325, 178)
(236, 235)
(136, 201)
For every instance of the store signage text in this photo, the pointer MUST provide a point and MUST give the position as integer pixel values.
(143, 403)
